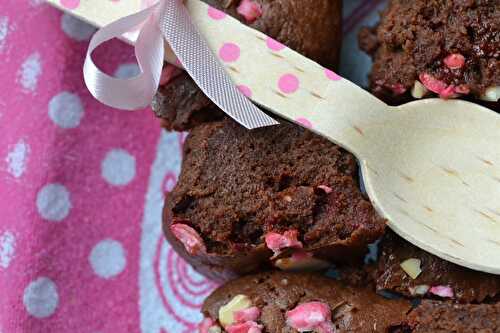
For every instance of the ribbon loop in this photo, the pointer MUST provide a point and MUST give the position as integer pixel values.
(167, 20)
(133, 93)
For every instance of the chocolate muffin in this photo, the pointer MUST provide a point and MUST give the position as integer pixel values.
(280, 195)
(310, 27)
(435, 47)
(437, 278)
(442, 317)
(280, 302)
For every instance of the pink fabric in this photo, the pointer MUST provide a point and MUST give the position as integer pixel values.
(81, 190)
(62, 212)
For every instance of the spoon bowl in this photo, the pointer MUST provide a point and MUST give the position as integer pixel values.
(434, 173)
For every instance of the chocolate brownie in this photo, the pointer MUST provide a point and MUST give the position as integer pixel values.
(444, 47)
(310, 27)
(280, 302)
(461, 284)
(282, 192)
(443, 317)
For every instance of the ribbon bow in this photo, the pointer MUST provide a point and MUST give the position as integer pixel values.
(167, 20)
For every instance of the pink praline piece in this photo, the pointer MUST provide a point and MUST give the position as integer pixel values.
(246, 327)
(311, 316)
(326, 189)
(454, 61)
(277, 242)
(442, 291)
(250, 10)
(250, 314)
(205, 325)
(189, 237)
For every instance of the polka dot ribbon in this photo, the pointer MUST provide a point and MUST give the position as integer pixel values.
(167, 20)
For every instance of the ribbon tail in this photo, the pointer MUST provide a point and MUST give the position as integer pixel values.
(137, 92)
(202, 65)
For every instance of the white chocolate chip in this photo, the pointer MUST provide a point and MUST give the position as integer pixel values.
(215, 329)
(307, 264)
(412, 267)
(418, 90)
(226, 312)
(492, 94)
(419, 290)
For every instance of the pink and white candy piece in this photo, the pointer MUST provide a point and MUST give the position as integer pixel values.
(250, 10)
(326, 189)
(250, 314)
(438, 86)
(246, 327)
(277, 242)
(311, 316)
(454, 61)
(189, 237)
(442, 291)
(206, 325)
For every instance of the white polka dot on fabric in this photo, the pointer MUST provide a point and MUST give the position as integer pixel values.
(53, 202)
(118, 167)
(108, 259)
(17, 159)
(40, 298)
(75, 28)
(7, 248)
(125, 71)
(4, 31)
(30, 72)
(66, 110)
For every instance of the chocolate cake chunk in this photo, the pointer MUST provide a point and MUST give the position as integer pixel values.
(286, 303)
(458, 283)
(435, 47)
(310, 27)
(281, 192)
(181, 105)
(443, 317)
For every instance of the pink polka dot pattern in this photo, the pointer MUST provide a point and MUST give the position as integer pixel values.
(288, 83)
(229, 52)
(332, 75)
(70, 4)
(215, 13)
(304, 122)
(245, 90)
(274, 45)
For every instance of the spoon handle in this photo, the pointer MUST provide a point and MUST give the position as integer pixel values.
(287, 83)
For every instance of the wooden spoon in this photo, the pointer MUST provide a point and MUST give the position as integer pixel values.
(431, 167)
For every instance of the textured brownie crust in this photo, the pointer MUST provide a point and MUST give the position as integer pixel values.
(237, 185)
(181, 105)
(310, 27)
(441, 317)
(415, 36)
(353, 309)
(468, 285)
